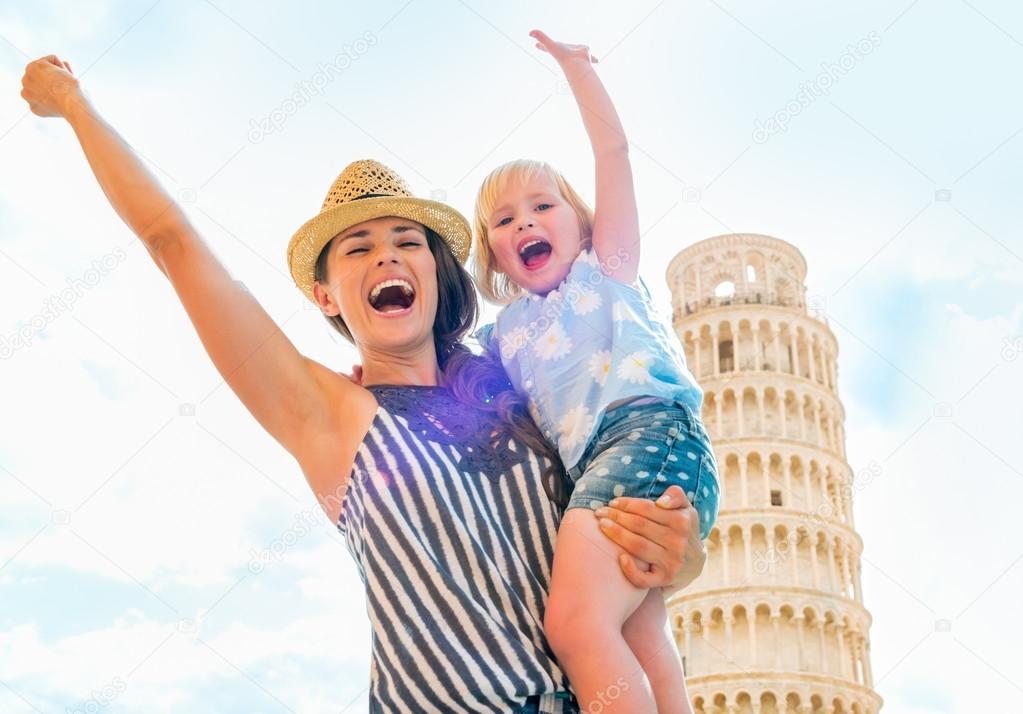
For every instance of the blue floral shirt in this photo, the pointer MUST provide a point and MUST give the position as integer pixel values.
(586, 345)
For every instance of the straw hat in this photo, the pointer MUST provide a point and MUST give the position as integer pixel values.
(365, 190)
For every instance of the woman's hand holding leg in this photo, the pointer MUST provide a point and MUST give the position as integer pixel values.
(665, 534)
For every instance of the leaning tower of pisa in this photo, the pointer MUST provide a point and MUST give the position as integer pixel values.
(776, 623)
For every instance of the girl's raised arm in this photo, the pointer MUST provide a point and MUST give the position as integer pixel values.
(300, 402)
(615, 220)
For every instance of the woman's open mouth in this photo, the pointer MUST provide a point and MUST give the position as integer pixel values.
(535, 252)
(392, 297)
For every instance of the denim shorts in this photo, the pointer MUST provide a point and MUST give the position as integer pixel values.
(568, 704)
(639, 450)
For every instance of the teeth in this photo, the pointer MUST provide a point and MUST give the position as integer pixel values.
(532, 242)
(403, 284)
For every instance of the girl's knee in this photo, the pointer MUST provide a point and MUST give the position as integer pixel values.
(647, 623)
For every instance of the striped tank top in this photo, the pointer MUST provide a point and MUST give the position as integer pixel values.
(454, 542)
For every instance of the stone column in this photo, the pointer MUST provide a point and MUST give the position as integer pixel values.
(800, 662)
(698, 371)
(687, 630)
(751, 619)
(760, 409)
(747, 542)
(835, 585)
(744, 481)
(775, 626)
(823, 664)
(817, 425)
(810, 353)
(726, 542)
(843, 656)
(806, 488)
(795, 353)
(813, 563)
(729, 640)
(802, 419)
(736, 341)
(846, 574)
(717, 353)
(777, 347)
(740, 412)
(789, 495)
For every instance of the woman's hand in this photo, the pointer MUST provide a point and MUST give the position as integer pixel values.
(562, 51)
(664, 535)
(48, 85)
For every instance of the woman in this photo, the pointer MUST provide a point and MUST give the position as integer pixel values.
(429, 467)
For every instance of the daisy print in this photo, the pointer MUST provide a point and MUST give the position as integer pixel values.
(635, 368)
(600, 365)
(586, 301)
(620, 312)
(574, 427)
(513, 342)
(553, 344)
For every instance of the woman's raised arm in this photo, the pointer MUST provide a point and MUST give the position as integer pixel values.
(300, 402)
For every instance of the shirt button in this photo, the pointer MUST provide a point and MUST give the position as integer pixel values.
(547, 434)
(528, 383)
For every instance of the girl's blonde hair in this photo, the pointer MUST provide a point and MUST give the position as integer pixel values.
(494, 285)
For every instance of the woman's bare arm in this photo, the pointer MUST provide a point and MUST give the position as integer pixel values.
(301, 403)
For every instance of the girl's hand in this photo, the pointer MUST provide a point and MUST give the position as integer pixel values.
(666, 536)
(356, 375)
(47, 86)
(561, 51)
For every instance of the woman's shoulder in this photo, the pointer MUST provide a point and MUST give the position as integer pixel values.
(331, 441)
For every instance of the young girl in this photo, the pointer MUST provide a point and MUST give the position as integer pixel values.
(607, 384)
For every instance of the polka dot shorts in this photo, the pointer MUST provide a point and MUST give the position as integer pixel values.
(641, 450)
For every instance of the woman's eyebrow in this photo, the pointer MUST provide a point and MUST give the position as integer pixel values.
(357, 234)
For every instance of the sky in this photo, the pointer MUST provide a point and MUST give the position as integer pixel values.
(160, 552)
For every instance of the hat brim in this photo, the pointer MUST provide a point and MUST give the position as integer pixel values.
(307, 243)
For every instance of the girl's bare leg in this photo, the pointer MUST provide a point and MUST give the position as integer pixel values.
(589, 602)
(650, 639)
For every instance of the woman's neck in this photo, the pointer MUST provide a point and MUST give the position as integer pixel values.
(417, 367)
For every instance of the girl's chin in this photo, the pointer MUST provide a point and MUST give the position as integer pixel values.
(542, 284)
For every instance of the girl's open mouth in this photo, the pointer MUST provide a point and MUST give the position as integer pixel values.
(535, 253)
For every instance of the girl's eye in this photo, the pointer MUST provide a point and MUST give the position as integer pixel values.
(353, 251)
(504, 221)
(410, 242)
(544, 206)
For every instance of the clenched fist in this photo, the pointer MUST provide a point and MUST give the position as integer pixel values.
(48, 85)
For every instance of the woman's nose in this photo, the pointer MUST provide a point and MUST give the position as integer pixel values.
(387, 253)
